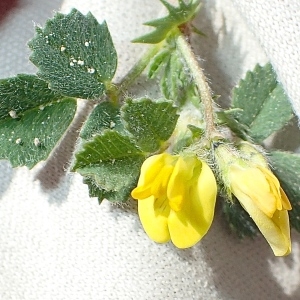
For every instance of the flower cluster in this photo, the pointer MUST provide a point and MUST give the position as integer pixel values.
(177, 196)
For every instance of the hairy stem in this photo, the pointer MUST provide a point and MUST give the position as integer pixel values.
(201, 83)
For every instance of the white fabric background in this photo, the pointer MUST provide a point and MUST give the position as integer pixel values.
(56, 243)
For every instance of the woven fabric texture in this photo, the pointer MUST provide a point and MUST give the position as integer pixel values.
(57, 243)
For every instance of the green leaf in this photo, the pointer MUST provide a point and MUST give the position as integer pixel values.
(196, 131)
(104, 116)
(23, 92)
(287, 169)
(101, 194)
(176, 82)
(151, 123)
(158, 61)
(110, 164)
(113, 180)
(177, 16)
(175, 79)
(275, 113)
(170, 82)
(108, 146)
(227, 117)
(239, 220)
(263, 105)
(75, 54)
(32, 119)
(94, 191)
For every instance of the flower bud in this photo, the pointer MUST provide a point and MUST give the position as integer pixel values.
(246, 175)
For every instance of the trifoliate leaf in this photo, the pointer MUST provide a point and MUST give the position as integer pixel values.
(151, 123)
(239, 220)
(110, 164)
(75, 54)
(32, 119)
(104, 116)
(177, 16)
(263, 105)
(286, 166)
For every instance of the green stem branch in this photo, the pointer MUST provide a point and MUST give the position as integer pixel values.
(201, 83)
(138, 68)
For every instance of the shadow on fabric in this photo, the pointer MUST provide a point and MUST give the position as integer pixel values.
(246, 269)
(6, 6)
(240, 269)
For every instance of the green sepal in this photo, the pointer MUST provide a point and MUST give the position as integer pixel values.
(286, 166)
(104, 116)
(197, 132)
(151, 123)
(75, 54)
(33, 119)
(110, 164)
(261, 103)
(177, 16)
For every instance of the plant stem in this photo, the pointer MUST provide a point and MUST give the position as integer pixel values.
(201, 83)
(138, 68)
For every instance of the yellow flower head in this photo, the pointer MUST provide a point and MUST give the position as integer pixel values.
(260, 194)
(177, 196)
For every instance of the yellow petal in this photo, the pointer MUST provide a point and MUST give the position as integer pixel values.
(276, 229)
(154, 215)
(207, 189)
(178, 183)
(150, 168)
(253, 183)
(160, 183)
(183, 233)
(149, 171)
(274, 186)
(141, 192)
(285, 200)
(281, 219)
(282, 199)
(190, 224)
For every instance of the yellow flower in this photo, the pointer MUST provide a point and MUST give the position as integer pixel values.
(177, 196)
(260, 194)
